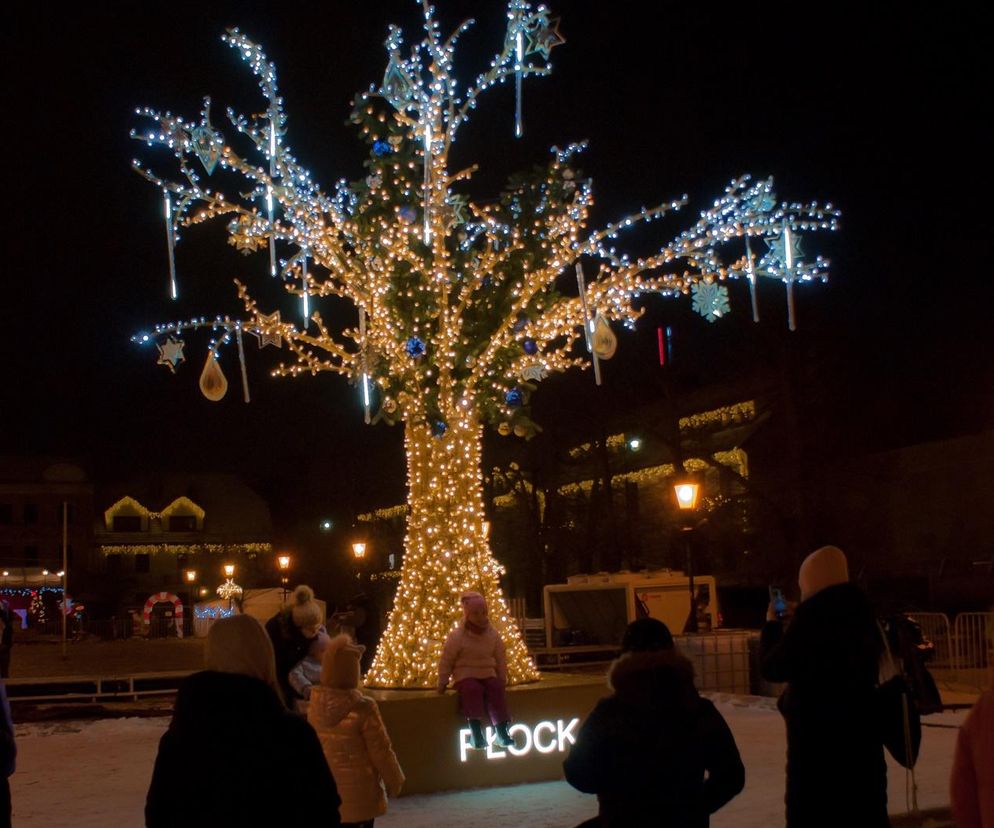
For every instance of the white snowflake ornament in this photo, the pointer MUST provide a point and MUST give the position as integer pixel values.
(710, 300)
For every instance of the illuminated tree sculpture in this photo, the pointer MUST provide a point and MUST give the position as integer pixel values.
(462, 306)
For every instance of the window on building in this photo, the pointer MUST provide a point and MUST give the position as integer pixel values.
(181, 560)
(182, 523)
(143, 563)
(30, 513)
(127, 523)
(114, 563)
(6, 514)
(31, 554)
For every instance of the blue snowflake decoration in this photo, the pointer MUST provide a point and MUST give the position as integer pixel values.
(529, 346)
(514, 398)
(438, 428)
(710, 300)
(381, 148)
(407, 214)
(415, 347)
(520, 323)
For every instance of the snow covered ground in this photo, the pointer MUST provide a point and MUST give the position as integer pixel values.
(95, 773)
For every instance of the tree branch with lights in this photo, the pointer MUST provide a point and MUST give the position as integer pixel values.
(463, 305)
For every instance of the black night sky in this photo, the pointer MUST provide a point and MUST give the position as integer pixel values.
(877, 113)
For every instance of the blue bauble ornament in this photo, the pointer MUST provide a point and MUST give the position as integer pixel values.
(514, 398)
(407, 214)
(530, 346)
(381, 148)
(438, 428)
(415, 347)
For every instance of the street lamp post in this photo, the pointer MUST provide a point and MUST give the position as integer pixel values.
(284, 564)
(191, 579)
(687, 492)
(229, 589)
(359, 553)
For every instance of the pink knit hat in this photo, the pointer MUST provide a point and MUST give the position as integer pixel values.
(471, 600)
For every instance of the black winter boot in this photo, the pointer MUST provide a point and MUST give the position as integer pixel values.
(476, 738)
(504, 738)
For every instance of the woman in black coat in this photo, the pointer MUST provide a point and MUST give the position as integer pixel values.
(292, 631)
(655, 752)
(829, 656)
(233, 754)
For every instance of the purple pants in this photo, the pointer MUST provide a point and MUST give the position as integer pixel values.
(478, 696)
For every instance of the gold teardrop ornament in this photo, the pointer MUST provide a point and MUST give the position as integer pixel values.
(213, 383)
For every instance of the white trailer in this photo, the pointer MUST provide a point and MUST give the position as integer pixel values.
(592, 611)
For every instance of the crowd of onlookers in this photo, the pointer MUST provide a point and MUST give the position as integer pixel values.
(281, 730)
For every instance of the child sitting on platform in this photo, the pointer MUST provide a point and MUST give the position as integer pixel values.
(307, 672)
(473, 657)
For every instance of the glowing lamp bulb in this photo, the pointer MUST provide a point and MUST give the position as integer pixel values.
(686, 495)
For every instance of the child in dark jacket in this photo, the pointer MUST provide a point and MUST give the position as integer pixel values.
(655, 752)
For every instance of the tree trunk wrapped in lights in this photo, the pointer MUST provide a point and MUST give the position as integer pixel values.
(461, 311)
(446, 553)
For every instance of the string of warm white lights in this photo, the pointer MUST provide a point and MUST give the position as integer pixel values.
(461, 316)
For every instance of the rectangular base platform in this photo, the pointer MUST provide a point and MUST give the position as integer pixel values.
(431, 739)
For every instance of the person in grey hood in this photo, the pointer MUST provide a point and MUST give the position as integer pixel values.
(655, 752)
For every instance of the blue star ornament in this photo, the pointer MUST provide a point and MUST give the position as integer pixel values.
(171, 353)
(710, 300)
(784, 254)
(544, 37)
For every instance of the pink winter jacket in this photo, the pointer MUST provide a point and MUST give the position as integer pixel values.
(358, 751)
(972, 783)
(468, 654)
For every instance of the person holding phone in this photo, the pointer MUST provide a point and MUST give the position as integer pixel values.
(778, 602)
(829, 656)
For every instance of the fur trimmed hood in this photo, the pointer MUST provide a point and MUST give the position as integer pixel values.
(657, 679)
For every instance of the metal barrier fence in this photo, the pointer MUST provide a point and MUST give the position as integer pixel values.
(935, 627)
(720, 659)
(113, 628)
(973, 643)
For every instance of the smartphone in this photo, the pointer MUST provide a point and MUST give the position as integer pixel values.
(778, 601)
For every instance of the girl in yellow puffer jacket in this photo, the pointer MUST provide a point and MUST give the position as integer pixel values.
(353, 737)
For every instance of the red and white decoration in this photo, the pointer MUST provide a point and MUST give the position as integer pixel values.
(163, 598)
